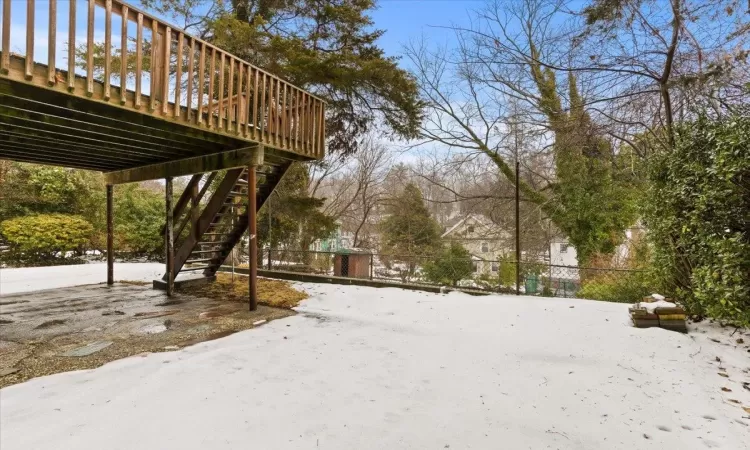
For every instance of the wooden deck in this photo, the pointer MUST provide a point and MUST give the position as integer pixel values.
(183, 98)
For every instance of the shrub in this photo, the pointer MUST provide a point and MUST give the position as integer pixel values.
(139, 218)
(698, 216)
(619, 287)
(45, 238)
(449, 266)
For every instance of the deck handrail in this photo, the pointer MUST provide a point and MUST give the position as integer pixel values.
(222, 93)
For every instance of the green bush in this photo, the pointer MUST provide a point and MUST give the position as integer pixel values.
(449, 266)
(619, 287)
(45, 238)
(698, 217)
(139, 218)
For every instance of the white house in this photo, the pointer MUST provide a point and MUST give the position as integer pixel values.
(486, 243)
(562, 253)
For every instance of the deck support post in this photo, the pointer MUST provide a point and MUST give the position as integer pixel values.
(252, 234)
(195, 212)
(169, 237)
(110, 236)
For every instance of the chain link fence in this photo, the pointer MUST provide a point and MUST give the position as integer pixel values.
(500, 276)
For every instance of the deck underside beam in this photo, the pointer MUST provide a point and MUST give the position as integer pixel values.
(189, 166)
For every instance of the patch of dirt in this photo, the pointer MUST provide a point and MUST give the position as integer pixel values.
(36, 352)
(276, 293)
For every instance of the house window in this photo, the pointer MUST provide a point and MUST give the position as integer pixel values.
(564, 248)
(495, 266)
(485, 247)
(471, 228)
(475, 266)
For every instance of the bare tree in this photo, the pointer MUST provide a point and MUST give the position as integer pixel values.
(371, 165)
(354, 188)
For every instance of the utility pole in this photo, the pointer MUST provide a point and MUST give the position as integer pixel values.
(518, 208)
(518, 230)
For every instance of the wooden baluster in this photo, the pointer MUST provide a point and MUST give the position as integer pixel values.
(138, 60)
(107, 48)
(178, 82)
(191, 70)
(310, 102)
(221, 92)
(302, 122)
(297, 120)
(322, 147)
(201, 75)
(262, 117)
(165, 67)
(314, 126)
(308, 123)
(71, 46)
(125, 12)
(284, 118)
(30, 10)
(52, 43)
(256, 99)
(273, 111)
(211, 76)
(230, 93)
(5, 61)
(277, 109)
(250, 100)
(90, 49)
(239, 113)
(155, 63)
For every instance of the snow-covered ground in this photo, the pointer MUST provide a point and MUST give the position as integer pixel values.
(365, 368)
(13, 281)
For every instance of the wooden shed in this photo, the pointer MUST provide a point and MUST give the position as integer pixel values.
(352, 263)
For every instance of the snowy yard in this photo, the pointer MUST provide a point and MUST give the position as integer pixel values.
(14, 281)
(366, 368)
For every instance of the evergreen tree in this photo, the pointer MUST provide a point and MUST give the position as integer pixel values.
(326, 46)
(450, 266)
(409, 232)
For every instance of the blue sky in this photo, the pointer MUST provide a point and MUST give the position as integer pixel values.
(402, 20)
(408, 19)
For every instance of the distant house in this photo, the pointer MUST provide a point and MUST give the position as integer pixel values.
(337, 241)
(562, 253)
(484, 240)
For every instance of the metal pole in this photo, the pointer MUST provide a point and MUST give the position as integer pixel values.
(169, 237)
(110, 236)
(518, 231)
(194, 212)
(253, 241)
(233, 253)
(270, 236)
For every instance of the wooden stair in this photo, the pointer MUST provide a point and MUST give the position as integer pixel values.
(216, 226)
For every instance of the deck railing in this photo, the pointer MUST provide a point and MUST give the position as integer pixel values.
(148, 65)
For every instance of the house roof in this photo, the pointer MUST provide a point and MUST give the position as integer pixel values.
(482, 220)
